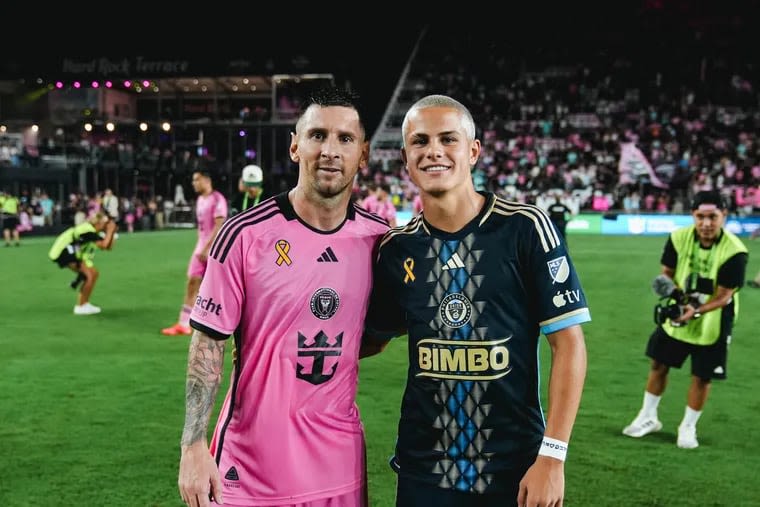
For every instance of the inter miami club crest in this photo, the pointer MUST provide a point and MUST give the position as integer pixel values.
(456, 310)
(324, 303)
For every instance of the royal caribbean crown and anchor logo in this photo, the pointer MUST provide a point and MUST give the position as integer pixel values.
(320, 349)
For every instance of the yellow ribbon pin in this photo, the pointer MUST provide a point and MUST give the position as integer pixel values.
(408, 267)
(283, 247)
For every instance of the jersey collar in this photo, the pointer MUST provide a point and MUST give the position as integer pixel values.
(471, 225)
(290, 213)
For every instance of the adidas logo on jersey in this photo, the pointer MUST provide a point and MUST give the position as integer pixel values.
(454, 262)
(232, 474)
(327, 256)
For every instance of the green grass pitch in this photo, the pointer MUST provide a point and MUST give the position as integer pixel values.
(91, 408)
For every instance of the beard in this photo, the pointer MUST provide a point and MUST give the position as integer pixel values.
(330, 189)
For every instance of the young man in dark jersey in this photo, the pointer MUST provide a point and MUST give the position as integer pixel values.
(474, 280)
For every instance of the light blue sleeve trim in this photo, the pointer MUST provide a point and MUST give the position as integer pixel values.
(578, 318)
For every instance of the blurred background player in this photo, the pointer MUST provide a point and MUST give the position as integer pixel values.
(250, 188)
(111, 204)
(9, 207)
(558, 214)
(210, 213)
(75, 247)
(380, 202)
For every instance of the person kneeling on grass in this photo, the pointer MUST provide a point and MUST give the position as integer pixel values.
(75, 247)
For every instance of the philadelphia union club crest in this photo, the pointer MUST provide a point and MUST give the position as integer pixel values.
(456, 310)
(324, 303)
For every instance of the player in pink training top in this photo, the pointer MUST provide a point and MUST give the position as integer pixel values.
(380, 203)
(210, 213)
(289, 279)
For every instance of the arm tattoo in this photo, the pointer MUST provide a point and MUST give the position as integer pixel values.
(204, 374)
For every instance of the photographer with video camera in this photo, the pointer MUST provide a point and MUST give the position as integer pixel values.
(703, 267)
(673, 301)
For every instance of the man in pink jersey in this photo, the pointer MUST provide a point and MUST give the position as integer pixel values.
(210, 213)
(380, 203)
(289, 279)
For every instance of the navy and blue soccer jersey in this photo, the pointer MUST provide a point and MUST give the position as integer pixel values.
(474, 303)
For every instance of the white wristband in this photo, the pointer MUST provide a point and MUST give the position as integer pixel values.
(553, 448)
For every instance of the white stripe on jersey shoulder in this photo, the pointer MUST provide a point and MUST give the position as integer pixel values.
(490, 210)
(546, 232)
(410, 228)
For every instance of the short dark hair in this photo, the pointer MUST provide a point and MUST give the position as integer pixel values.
(708, 197)
(333, 96)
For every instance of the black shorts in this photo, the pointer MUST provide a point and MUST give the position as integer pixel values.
(414, 493)
(10, 222)
(66, 258)
(411, 493)
(707, 361)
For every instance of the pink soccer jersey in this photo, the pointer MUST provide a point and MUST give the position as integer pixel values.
(295, 299)
(207, 209)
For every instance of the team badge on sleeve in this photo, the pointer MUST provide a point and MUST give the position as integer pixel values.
(559, 269)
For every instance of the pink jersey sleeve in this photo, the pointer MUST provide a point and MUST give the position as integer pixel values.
(389, 211)
(370, 203)
(218, 304)
(220, 209)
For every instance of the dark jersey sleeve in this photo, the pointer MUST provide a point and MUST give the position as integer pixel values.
(731, 273)
(555, 284)
(385, 317)
(669, 255)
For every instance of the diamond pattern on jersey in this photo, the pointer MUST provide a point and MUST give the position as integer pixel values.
(461, 420)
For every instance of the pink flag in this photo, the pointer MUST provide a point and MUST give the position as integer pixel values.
(634, 164)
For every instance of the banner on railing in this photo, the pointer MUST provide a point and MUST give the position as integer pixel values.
(611, 223)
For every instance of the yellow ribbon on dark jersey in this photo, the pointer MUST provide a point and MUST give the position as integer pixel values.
(283, 247)
(408, 267)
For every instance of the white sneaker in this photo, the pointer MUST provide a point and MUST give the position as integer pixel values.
(642, 425)
(687, 437)
(86, 309)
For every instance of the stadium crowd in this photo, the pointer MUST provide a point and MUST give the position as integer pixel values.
(559, 129)
(553, 123)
